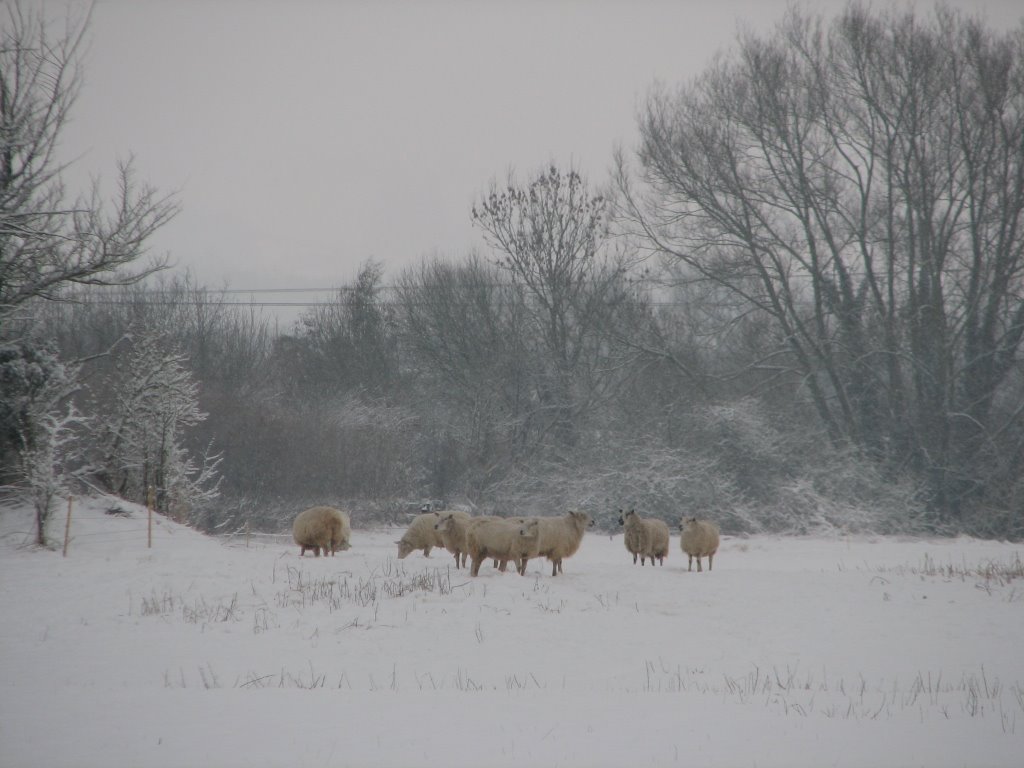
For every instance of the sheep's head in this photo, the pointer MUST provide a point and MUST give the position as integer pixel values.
(581, 519)
(444, 523)
(404, 548)
(623, 516)
(530, 528)
(687, 522)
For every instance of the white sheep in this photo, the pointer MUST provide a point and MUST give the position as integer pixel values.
(560, 537)
(502, 540)
(322, 529)
(480, 518)
(451, 526)
(646, 537)
(420, 535)
(699, 538)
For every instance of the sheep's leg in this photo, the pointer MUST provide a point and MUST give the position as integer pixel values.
(699, 569)
(554, 567)
(710, 558)
(560, 566)
(426, 551)
(475, 569)
(634, 558)
(690, 566)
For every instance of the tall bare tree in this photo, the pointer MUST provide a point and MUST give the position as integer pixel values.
(350, 344)
(550, 235)
(46, 240)
(464, 327)
(861, 182)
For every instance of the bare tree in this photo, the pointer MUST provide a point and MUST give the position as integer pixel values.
(862, 184)
(550, 239)
(46, 241)
(465, 334)
(350, 344)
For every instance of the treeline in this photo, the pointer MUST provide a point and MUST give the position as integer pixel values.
(438, 386)
(798, 306)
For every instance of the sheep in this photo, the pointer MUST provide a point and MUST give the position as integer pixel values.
(451, 526)
(499, 564)
(504, 541)
(322, 528)
(420, 535)
(560, 537)
(699, 538)
(646, 537)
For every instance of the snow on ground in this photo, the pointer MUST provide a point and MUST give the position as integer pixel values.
(792, 652)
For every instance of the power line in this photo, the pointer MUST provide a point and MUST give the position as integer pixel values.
(209, 296)
(283, 290)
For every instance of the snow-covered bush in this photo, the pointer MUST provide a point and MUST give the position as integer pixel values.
(37, 422)
(737, 466)
(658, 481)
(848, 491)
(152, 401)
(746, 445)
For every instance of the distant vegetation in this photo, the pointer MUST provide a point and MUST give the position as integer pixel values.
(798, 305)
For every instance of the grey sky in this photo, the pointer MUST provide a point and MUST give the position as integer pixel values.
(306, 137)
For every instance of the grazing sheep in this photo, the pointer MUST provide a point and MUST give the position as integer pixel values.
(503, 541)
(451, 526)
(560, 537)
(322, 528)
(646, 537)
(420, 535)
(699, 538)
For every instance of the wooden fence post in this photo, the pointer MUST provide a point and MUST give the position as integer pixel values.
(67, 526)
(150, 500)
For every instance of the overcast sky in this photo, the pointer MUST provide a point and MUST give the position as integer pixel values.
(304, 138)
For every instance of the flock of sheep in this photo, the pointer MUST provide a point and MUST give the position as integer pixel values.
(505, 539)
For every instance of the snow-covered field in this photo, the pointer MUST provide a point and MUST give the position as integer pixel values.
(792, 652)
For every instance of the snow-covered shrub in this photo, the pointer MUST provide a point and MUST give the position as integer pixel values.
(736, 466)
(37, 422)
(846, 492)
(153, 400)
(658, 481)
(745, 444)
